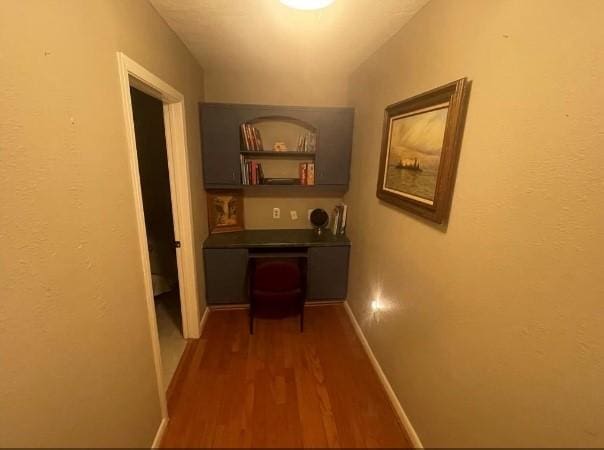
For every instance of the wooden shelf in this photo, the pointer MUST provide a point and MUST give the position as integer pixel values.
(297, 189)
(274, 154)
(247, 186)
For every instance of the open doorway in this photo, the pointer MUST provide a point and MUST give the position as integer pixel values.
(154, 172)
(132, 74)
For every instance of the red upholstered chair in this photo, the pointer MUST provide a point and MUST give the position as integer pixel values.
(277, 287)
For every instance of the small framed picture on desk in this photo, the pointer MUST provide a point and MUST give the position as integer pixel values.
(225, 211)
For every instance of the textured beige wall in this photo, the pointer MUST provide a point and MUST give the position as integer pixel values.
(493, 332)
(298, 89)
(259, 209)
(75, 347)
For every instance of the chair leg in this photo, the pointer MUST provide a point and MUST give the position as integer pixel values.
(251, 313)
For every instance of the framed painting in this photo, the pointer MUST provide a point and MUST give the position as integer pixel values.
(420, 148)
(225, 211)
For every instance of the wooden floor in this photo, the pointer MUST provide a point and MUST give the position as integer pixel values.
(279, 387)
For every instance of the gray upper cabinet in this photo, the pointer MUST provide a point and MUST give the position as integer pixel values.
(221, 143)
(335, 142)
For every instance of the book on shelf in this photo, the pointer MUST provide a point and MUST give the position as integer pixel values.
(339, 218)
(250, 137)
(242, 164)
(302, 172)
(245, 138)
(310, 174)
(251, 172)
(307, 143)
(307, 173)
(335, 221)
(261, 173)
(258, 139)
(344, 217)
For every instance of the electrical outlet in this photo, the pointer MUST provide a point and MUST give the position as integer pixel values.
(294, 214)
(276, 213)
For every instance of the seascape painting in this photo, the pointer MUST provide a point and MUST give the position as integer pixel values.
(415, 147)
(421, 138)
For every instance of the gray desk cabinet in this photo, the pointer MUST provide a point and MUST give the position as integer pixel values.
(226, 257)
(226, 272)
(327, 273)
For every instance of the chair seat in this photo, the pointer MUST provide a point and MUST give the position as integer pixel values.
(276, 289)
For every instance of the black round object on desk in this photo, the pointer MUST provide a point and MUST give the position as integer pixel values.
(319, 218)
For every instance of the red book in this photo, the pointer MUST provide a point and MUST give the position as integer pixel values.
(250, 144)
(310, 174)
(253, 138)
(303, 173)
(243, 136)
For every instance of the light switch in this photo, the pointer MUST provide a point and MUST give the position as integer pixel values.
(276, 213)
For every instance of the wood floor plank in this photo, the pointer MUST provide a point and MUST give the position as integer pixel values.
(279, 388)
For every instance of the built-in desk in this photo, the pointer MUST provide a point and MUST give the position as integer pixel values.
(227, 255)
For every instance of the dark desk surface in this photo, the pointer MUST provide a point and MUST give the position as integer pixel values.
(275, 238)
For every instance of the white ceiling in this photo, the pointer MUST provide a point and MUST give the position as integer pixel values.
(264, 35)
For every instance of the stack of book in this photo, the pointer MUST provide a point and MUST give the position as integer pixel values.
(338, 222)
(251, 172)
(307, 173)
(307, 142)
(250, 137)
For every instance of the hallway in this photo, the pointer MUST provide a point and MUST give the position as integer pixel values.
(279, 388)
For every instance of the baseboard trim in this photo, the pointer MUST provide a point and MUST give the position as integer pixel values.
(311, 303)
(396, 405)
(228, 307)
(160, 433)
(307, 304)
(204, 319)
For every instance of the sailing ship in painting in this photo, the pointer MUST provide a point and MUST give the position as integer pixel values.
(409, 164)
(414, 150)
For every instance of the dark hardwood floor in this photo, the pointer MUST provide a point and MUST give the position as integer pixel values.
(279, 387)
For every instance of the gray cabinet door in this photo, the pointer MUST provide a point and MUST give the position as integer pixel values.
(226, 275)
(327, 276)
(335, 144)
(220, 145)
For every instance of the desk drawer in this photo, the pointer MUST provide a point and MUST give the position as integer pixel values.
(226, 272)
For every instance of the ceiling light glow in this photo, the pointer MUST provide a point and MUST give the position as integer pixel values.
(307, 5)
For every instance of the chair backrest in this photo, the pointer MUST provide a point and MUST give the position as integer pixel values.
(277, 275)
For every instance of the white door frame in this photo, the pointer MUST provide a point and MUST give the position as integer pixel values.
(133, 74)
